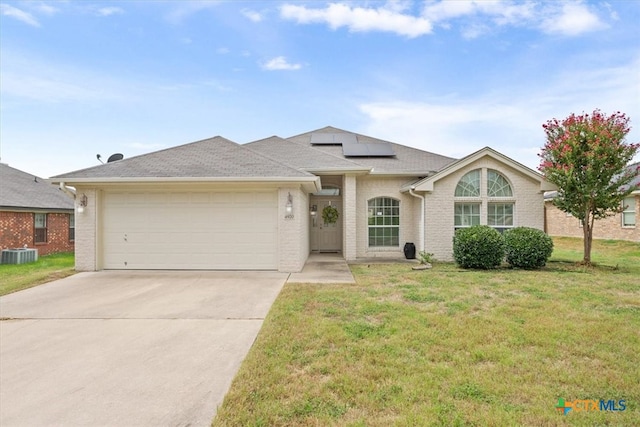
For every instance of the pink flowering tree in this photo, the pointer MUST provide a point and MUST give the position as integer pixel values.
(586, 157)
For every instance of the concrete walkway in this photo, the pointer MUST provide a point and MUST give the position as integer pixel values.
(323, 268)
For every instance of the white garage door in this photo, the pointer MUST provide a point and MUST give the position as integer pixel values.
(195, 230)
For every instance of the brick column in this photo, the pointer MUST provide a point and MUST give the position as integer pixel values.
(349, 236)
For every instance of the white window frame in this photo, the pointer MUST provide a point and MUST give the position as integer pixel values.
(629, 210)
(492, 216)
(381, 211)
(466, 218)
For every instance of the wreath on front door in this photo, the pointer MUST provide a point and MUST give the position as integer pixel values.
(330, 215)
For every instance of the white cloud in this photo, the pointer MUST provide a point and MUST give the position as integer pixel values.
(45, 82)
(388, 18)
(222, 50)
(474, 17)
(20, 15)
(509, 121)
(252, 15)
(43, 8)
(280, 63)
(572, 19)
(108, 11)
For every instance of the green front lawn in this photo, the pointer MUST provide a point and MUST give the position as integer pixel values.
(15, 277)
(450, 347)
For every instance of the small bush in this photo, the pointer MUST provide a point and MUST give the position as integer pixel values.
(479, 246)
(527, 248)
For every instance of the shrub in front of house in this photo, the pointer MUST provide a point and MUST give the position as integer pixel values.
(479, 246)
(527, 248)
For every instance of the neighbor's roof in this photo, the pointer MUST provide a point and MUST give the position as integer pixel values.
(407, 160)
(23, 190)
(635, 182)
(209, 159)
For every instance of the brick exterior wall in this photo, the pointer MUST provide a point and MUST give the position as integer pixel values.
(86, 231)
(349, 218)
(439, 210)
(558, 223)
(16, 231)
(369, 187)
(293, 232)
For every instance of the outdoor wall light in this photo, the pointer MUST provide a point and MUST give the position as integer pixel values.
(82, 203)
(314, 210)
(289, 206)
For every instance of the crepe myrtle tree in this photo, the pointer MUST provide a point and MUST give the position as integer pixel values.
(586, 156)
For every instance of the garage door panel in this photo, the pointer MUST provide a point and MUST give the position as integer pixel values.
(195, 230)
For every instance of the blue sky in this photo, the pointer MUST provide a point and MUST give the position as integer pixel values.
(80, 77)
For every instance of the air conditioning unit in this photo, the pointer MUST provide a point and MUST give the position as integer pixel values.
(19, 256)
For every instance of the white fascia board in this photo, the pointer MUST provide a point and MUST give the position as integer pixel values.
(427, 183)
(150, 180)
(310, 184)
(339, 171)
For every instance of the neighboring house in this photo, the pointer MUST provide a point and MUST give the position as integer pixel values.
(215, 204)
(622, 226)
(34, 213)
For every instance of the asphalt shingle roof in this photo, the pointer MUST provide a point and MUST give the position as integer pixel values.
(300, 156)
(268, 158)
(407, 160)
(209, 158)
(23, 190)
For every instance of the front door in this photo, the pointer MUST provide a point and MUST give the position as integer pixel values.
(326, 237)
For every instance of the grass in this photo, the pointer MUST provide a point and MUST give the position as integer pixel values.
(450, 347)
(15, 277)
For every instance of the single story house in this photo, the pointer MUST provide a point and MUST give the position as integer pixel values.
(268, 204)
(622, 226)
(34, 214)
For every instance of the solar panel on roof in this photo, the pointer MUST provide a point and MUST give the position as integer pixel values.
(323, 139)
(345, 138)
(351, 147)
(368, 150)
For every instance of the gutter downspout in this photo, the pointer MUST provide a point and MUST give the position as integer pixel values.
(68, 191)
(421, 249)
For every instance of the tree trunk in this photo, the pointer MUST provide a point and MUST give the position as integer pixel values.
(587, 229)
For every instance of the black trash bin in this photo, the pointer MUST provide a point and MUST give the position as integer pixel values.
(409, 250)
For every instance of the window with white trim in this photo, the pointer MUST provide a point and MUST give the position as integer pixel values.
(469, 185)
(384, 222)
(629, 212)
(473, 205)
(466, 214)
(500, 216)
(497, 185)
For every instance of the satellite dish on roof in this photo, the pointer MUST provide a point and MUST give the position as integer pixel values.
(115, 157)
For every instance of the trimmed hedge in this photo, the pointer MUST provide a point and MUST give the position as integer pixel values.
(527, 248)
(479, 246)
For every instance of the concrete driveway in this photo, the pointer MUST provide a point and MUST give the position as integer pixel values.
(128, 348)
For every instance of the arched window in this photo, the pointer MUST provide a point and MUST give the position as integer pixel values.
(467, 213)
(469, 185)
(384, 222)
(496, 204)
(497, 185)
